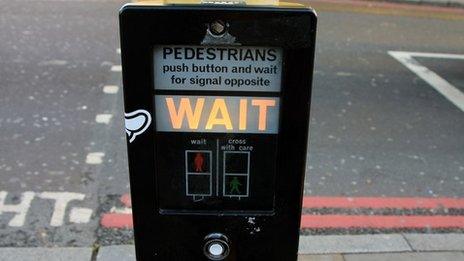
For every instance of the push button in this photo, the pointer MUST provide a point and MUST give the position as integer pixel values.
(216, 246)
(216, 249)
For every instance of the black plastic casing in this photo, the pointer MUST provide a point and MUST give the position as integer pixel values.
(175, 236)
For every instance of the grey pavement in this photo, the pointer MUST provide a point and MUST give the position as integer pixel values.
(353, 244)
(122, 253)
(381, 243)
(49, 254)
(395, 247)
(320, 258)
(435, 242)
(442, 256)
(422, 256)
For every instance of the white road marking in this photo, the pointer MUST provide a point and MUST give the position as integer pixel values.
(124, 210)
(344, 74)
(103, 118)
(20, 209)
(110, 89)
(62, 199)
(80, 215)
(94, 158)
(116, 68)
(53, 62)
(438, 83)
(432, 55)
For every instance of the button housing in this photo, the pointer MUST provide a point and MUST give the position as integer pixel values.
(216, 246)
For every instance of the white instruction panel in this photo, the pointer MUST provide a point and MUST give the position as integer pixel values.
(218, 68)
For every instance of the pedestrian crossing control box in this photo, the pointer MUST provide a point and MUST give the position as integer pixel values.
(217, 103)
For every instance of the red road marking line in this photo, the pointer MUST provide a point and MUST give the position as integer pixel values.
(115, 220)
(378, 202)
(335, 221)
(120, 220)
(366, 202)
(347, 221)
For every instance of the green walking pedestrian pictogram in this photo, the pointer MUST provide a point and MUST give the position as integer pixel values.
(234, 186)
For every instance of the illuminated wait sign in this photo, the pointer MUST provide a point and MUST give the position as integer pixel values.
(178, 113)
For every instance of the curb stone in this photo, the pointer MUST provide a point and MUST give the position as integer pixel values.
(320, 258)
(436, 242)
(49, 254)
(429, 256)
(353, 244)
(408, 242)
(120, 253)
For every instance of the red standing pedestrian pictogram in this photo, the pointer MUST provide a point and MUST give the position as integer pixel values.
(198, 162)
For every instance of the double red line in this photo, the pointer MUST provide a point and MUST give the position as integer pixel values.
(346, 221)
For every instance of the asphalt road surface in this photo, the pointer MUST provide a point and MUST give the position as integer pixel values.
(378, 129)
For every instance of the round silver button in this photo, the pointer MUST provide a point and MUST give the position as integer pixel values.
(216, 246)
(216, 249)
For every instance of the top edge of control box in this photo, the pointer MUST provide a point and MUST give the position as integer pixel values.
(217, 68)
(267, 3)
